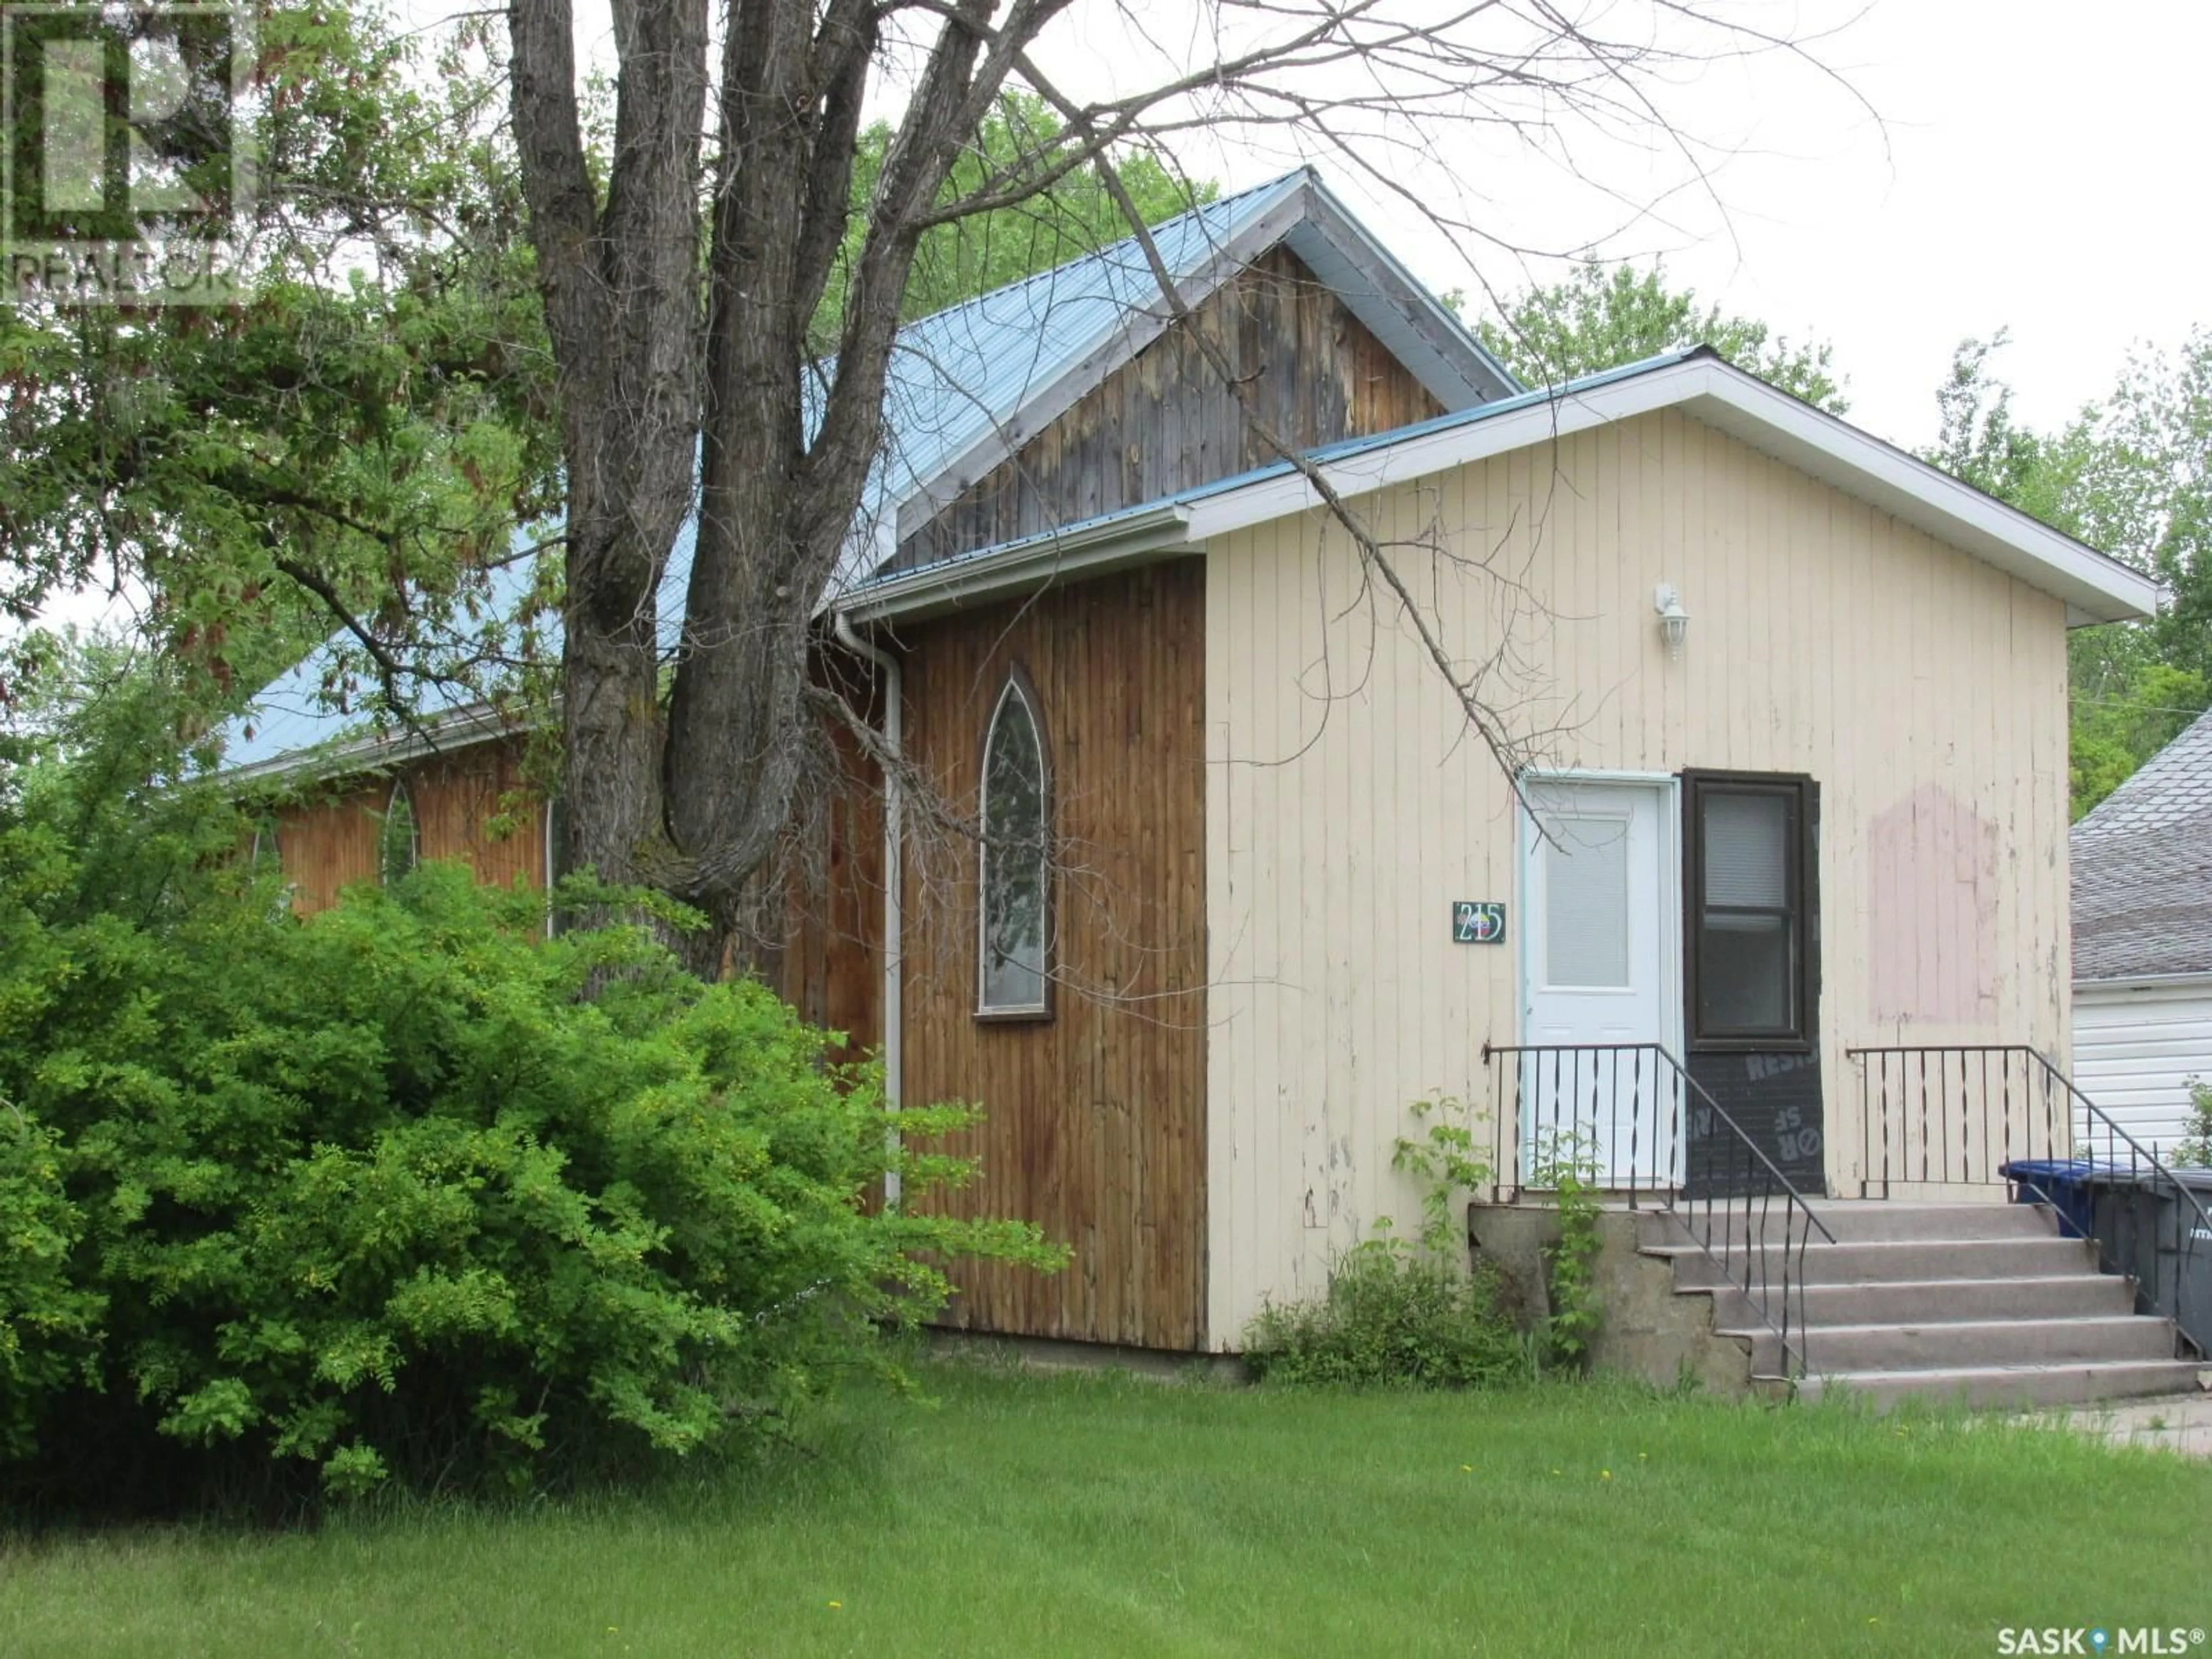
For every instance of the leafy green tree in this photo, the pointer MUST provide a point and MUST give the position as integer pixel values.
(1603, 317)
(355, 441)
(1076, 215)
(2131, 475)
(2121, 720)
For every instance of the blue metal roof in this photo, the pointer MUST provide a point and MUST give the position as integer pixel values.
(958, 375)
(955, 379)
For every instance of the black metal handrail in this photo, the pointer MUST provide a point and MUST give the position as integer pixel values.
(1938, 1116)
(1728, 1211)
(1597, 1090)
(1932, 1115)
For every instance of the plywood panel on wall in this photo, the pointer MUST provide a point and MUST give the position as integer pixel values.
(1166, 421)
(1096, 1119)
(1349, 805)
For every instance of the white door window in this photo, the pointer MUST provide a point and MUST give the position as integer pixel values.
(1601, 978)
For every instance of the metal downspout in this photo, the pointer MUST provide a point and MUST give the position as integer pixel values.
(894, 914)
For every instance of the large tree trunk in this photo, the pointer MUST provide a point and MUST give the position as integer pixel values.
(734, 714)
(698, 809)
(622, 307)
(775, 510)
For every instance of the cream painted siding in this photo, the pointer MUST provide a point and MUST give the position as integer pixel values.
(2136, 1047)
(1348, 804)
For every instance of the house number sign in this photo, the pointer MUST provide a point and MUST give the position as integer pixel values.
(1478, 921)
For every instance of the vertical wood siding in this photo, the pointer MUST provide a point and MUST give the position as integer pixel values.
(1165, 422)
(1347, 805)
(328, 837)
(832, 961)
(1095, 1125)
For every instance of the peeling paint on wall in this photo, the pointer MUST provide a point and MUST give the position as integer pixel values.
(1932, 954)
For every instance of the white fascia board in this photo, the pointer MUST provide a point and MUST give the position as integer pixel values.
(1448, 359)
(1131, 538)
(2095, 588)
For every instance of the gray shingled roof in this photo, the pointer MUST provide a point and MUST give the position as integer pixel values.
(2143, 869)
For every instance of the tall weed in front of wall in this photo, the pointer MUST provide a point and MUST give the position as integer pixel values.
(1417, 1313)
(1407, 1313)
(1395, 1316)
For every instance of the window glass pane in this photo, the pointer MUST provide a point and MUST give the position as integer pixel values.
(1746, 850)
(1744, 983)
(1015, 854)
(1586, 903)
(396, 840)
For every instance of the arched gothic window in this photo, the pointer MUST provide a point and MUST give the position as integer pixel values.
(1013, 970)
(398, 841)
(266, 858)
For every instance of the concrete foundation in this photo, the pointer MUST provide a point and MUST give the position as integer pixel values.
(1650, 1329)
(1045, 1353)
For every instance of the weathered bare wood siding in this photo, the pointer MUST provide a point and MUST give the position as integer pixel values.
(1096, 1117)
(1347, 805)
(1166, 421)
(328, 837)
(328, 841)
(831, 967)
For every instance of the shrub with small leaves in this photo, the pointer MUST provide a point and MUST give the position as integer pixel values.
(407, 1191)
(47, 1322)
(1395, 1316)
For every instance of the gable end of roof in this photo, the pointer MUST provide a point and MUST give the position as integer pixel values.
(1297, 211)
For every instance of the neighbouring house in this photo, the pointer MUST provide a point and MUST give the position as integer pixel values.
(2142, 941)
(1789, 770)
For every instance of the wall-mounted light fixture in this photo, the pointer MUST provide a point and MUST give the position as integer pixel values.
(1674, 620)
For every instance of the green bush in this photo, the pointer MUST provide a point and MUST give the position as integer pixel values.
(2195, 1149)
(386, 1195)
(1395, 1316)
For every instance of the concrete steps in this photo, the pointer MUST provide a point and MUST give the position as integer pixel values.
(1984, 1305)
(1883, 1261)
(2003, 1385)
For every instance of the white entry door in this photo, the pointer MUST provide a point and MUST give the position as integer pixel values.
(1601, 968)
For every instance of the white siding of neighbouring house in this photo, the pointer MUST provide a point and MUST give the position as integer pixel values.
(2136, 1047)
(1348, 804)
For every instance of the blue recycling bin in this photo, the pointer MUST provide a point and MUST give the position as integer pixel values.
(2061, 1183)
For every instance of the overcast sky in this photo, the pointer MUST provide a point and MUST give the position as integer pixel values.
(2037, 167)
(2034, 166)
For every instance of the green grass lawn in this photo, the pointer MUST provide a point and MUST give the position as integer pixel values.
(1046, 1515)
